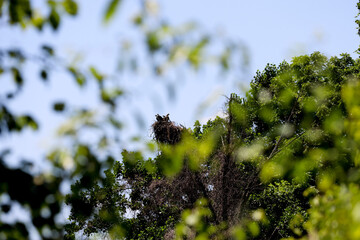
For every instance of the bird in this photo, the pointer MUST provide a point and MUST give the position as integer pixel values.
(158, 118)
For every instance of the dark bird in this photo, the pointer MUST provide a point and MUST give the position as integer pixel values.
(158, 118)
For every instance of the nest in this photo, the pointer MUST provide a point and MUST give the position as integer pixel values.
(166, 131)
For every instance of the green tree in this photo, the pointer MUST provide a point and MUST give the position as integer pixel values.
(276, 151)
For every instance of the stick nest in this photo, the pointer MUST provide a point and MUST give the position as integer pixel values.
(166, 131)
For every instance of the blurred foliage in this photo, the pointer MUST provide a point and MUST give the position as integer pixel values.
(22, 12)
(282, 202)
(338, 210)
(282, 163)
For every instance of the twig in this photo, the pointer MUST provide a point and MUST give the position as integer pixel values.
(287, 144)
(273, 233)
(282, 136)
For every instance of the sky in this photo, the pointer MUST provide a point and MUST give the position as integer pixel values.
(271, 31)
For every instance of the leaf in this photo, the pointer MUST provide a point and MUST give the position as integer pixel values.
(99, 77)
(59, 106)
(19, 11)
(14, 18)
(110, 95)
(225, 59)
(44, 74)
(79, 77)
(51, 3)
(111, 9)
(116, 123)
(103, 143)
(153, 42)
(17, 76)
(48, 50)
(10, 95)
(38, 21)
(54, 19)
(27, 121)
(195, 55)
(138, 20)
(70, 7)
(1, 5)
(17, 54)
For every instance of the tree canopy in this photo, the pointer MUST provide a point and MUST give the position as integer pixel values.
(258, 170)
(281, 163)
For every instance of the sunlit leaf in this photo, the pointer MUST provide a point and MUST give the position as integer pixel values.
(27, 121)
(79, 77)
(96, 74)
(70, 7)
(239, 233)
(38, 21)
(111, 9)
(153, 42)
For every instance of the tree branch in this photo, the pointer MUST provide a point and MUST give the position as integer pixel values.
(282, 136)
(297, 137)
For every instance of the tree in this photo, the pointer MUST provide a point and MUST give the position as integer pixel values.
(273, 146)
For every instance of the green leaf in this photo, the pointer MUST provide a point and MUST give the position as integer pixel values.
(38, 21)
(138, 20)
(111, 9)
(254, 228)
(99, 77)
(1, 5)
(153, 41)
(48, 50)
(195, 55)
(17, 54)
(103, 142)
(116, 123)
(19, 11)
(51, 3)
(225, 59)
(79, 77)
(17, 76)
(70, 7)
(27, 121)
(44, 74)
(54, 19)
(59, 106)
(110, 95)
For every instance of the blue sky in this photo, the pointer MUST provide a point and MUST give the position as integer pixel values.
(272, 31)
